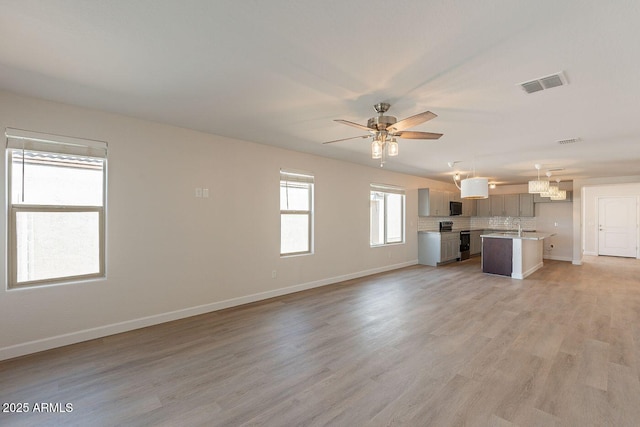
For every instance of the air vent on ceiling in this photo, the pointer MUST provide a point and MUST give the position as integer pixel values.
(547, 82)
(568, 141)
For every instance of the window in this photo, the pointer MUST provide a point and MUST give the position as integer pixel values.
(296, 211)
(56, 208)
(387, 215)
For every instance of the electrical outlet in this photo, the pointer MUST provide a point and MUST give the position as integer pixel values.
(274, 274)
(198, 192)
(205, 192)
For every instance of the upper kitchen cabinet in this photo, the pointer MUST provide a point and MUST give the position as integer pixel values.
(432, 203)
(469, 207)
(526, 205)
(483, 207)
(497, 205)
(511, 204)
(514, 205)
(518, 205)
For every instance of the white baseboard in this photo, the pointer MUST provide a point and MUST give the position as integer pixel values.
(528, 272)
(129, 325)
(558, 258)
(590, 253)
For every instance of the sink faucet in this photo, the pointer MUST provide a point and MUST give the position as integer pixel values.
(519, 226)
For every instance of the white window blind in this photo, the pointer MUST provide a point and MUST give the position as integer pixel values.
(37, 141)
(383, 188)
(295, 177)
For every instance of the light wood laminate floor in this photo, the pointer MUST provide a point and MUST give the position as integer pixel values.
(420, 346)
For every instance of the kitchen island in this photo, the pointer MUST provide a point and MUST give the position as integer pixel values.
(513, 254)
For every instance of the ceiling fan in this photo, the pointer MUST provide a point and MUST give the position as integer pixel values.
(385, 129)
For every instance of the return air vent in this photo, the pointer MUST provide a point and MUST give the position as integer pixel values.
(547, 82)
(568, 141)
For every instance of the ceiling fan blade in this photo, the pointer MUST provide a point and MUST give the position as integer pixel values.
(346, 139)
(407, 134)
(355, 125)
(412, 121)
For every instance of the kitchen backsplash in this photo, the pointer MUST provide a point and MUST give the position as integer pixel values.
(430, 223)
(427, 223)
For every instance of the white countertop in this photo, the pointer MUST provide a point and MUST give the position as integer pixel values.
(526, 235)
(484, 230)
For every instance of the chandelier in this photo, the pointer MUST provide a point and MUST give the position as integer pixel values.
(538, 186)
(554, 192)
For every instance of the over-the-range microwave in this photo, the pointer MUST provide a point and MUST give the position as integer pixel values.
(455, 208)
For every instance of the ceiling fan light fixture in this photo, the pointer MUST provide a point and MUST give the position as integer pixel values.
(474, 188)
(392, 147)
(376, 149)
(383, 127)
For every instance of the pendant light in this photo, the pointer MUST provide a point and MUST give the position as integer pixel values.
(552, 190)
(559, 194)
(538, 186)
(472, 188)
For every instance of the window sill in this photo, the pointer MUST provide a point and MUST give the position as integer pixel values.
(383, 245)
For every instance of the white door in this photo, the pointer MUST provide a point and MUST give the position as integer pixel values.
(617, 220)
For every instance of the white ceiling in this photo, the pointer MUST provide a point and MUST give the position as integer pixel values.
(279, 72)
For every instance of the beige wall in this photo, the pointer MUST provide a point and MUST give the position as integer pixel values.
(170, 254)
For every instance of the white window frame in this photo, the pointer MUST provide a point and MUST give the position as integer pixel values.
(294, 178)
(20, 140)
(386, 190)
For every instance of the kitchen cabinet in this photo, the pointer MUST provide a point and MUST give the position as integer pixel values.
(514, 205)
(526, 205)
(483, 207)
(437, 248)
(449, 246)
(469, 207)
(432, 202)
(476, 242)
(511, 205)
(497, 205)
